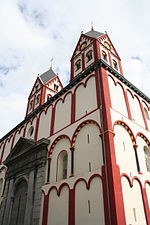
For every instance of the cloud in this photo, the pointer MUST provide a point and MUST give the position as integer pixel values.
(34, 31)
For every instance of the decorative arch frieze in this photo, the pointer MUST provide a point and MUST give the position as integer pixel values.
(121, 123)
(79, 128)
(55, 142)
(139, 134)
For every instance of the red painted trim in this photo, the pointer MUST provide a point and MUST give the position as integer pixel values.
(122, 123)
(106, 35)
(76, 121)
(120, 67)
(73, 107)
(72, 70)
(127, 104)
(3, 152)
(139, 134)
(143, 195)
(71, 207)
(146, 205)
(43, 95)
(34, 102)
(97, 89)
(113, 171)
(143, 114)
(36, 129)
(83, 62)
(84, 123)
(62, 136)
(27, 107)
(109, 57)
(52, 122)
(105, 196)
(45, 210)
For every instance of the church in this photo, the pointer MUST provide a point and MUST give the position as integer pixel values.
(82, 153)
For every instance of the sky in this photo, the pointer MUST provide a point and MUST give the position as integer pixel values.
(32, 32)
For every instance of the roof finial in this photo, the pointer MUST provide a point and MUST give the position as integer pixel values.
(92, 26)
(51, 62)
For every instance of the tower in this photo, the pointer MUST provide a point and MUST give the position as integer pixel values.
(46, 86)
(83, 155)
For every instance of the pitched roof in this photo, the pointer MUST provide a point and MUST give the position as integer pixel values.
(93, 34)
(48, 75)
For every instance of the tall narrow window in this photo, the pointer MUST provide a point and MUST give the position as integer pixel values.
(31, 105)
(89, 56)
(104, 56)
(134, 212)
(78, 65)
(124, 147)
(146, 113)
(55, 87)
(88, 138)
(62, 166)
(115, 65)
(89, 206)
(65, 162)
(147, 158)
(37, 99)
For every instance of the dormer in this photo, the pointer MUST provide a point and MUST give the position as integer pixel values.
(91, 47)
(46, 86)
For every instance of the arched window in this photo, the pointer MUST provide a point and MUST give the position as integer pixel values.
(31, 105)
(115, 65)
(104, 56)
(19, 204)
(89, 56)
(62, 165)
(147, 157)
(146, 113)
(37, 99)
(78, 65)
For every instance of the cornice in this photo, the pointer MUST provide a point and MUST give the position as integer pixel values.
(77, 79)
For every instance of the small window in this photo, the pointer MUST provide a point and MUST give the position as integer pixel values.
(31, 105)
(115, 65)
(147, 157)
(48, 97)
(89, 56)
(146, 113)
(78, 65)
(65, 161)
(62, 166)
(36, 87)
(55, 87)
(104, 56)
(30, 132)
(37, 99)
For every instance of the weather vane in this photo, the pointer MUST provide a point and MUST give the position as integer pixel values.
(51, 62)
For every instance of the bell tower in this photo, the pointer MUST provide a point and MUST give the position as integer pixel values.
(91, 47)
(46, 86)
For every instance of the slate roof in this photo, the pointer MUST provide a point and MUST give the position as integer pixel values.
(48, 75)
(93, 34)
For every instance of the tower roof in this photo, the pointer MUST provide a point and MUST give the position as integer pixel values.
(48, 75)
(93, 33)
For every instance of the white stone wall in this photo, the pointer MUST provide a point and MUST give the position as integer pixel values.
(133, 203)
(58, 207)
(89, 206)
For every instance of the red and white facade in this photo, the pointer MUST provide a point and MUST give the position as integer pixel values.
(98, 163)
